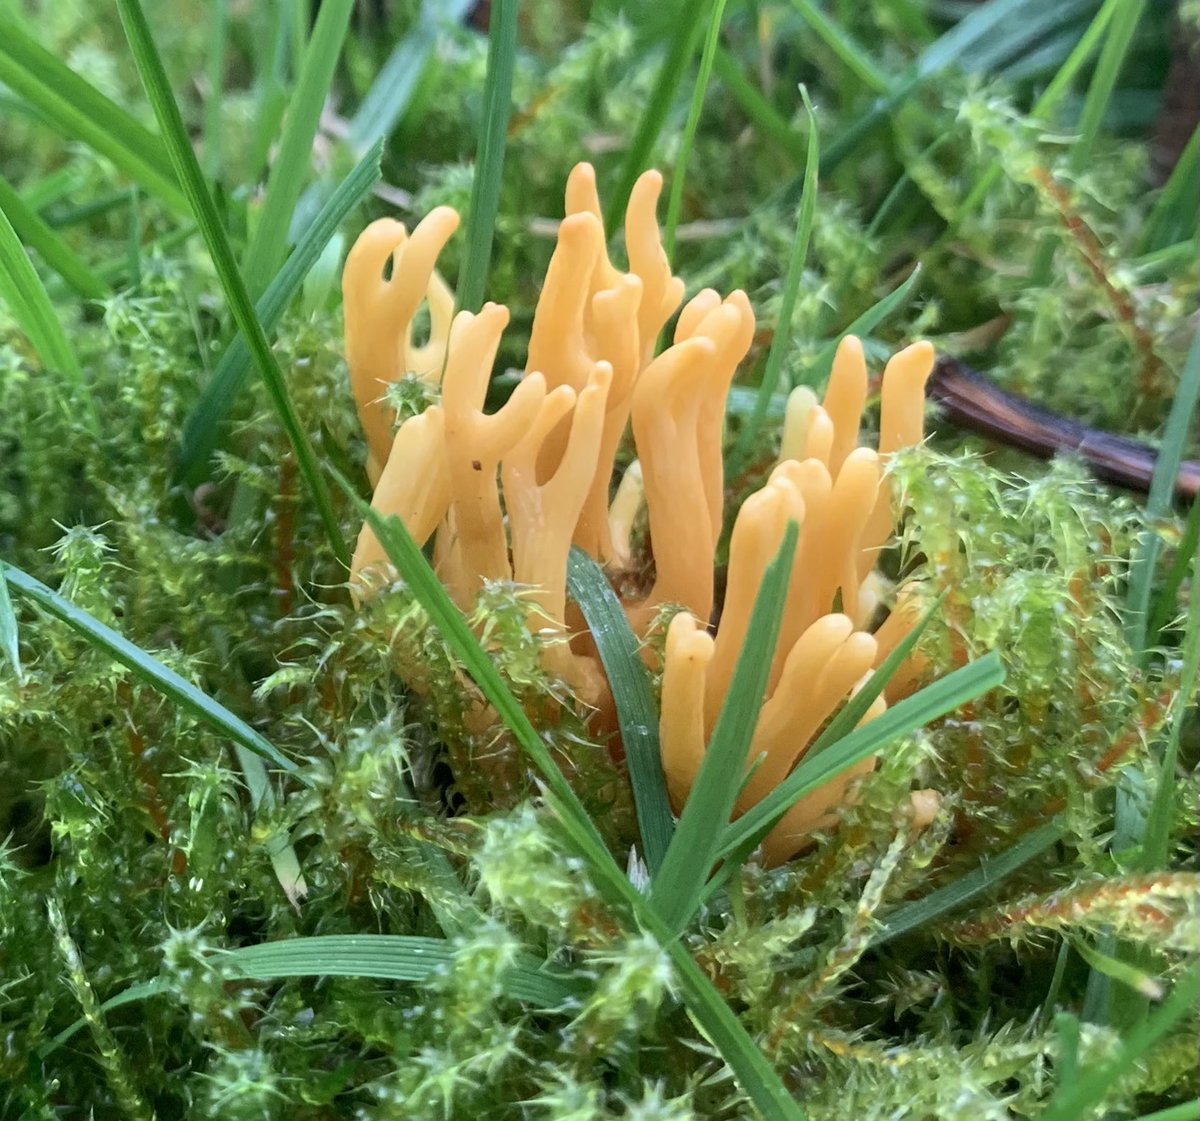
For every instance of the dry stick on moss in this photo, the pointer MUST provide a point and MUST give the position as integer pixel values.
(968, 400)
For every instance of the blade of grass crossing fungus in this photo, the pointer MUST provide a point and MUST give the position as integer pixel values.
(952, 691)
(1158, 502)
(204, 426)
(921, 912)
(750, 1067)
(791, 288)
(1078, 1099)
(146, 666)
(292, 166)
(693, 851)
(21, 288)
(78, 110)
(49, 246)
(688, 139)
(637, 713)
(689, 26)
(188, 172)
(855, 708)
(489, 160)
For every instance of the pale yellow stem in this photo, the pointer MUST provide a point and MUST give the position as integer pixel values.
(681, 724)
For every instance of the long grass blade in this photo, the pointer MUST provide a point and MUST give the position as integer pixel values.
(844, 47)
(862, 326)
(688, 139)
(1184, 1111)
(9, 645)
(689, 25)
(921, 912)
(218, 39)
(1156, 846)
(400, 78)
(637, 713)
(1167, 602)
(385, 957)
(79, 111)
(187, 170)
(489, 161)
(951, 692)
(782, 338)
(391, 957)
(750, 1067)
(35, 233)
(1104, 79)
(1173, 218)
(767, 120)
(1093, 1084)
(146, 666)
(22, 289)
(292, 166)
(677, 892)
(204, 426)
(1158, 502)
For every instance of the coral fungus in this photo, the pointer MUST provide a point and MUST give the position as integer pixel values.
(505, 495)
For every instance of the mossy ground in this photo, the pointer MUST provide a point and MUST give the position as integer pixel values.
(133, 852)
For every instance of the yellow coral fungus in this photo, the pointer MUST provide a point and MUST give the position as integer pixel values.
(507, 494)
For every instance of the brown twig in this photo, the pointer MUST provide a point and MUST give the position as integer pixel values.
(969, 400)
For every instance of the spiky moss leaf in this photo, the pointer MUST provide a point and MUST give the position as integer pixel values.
(1161, 911)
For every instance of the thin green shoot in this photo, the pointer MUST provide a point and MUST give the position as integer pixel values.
(188, 173)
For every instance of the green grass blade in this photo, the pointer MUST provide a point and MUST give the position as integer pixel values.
(392, 957)
(637, 713)
(22, 289)
(188, 172)
(1156, 845)
(146, 666)
(292, 166)
(1093, 1084)
(218, 39)
(689, 24)
(767, 120)
(489, 161)
(862, 326)
(677, 892)
(715, 1017)
(203, 428)
(943, 696)
(688, 139)
(1158, 502)
(399, 79)
(1184, 1111)
(8, 633)
(843, 46)
(386, 957)
(921, 912)
(78, 110)
(50, 247)
(1174, 218)
(1104, 79)
(855, 708)
(1167, 602)
(781, 340)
